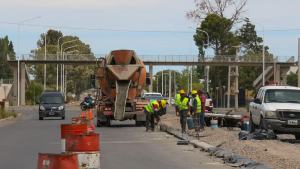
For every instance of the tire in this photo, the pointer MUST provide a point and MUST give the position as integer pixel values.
(144, 123)
(252, 126)
(139, 123)
(63, 117)
(103, 123)
(98, 123)
(40, 118)
(297, 137)
(261, 125)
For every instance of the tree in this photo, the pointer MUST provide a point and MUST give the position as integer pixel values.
(78, 76)
(34, 91)
(6, 48)
(292, 79)
(221, 40)
(218, 7)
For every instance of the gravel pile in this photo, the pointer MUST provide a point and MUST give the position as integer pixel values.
(277, 154)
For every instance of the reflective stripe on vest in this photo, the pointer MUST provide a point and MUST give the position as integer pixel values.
(177, 99)
(198, 110)
(183, 104)
(150, 107)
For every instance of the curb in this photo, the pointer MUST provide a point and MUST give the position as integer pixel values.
(8, 118)
(229, 158)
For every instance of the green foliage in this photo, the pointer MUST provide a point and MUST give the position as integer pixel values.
(7, 113)
(34, 91)
(78, 76)
(292, 79)
(6, 48)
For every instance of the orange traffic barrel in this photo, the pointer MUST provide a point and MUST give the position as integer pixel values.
(71, 129)
(82, 143)
(42, 158)
(77, 119)
(61, 161)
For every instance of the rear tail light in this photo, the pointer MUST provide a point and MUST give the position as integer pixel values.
(210, 102)
(107, 108)
(139, 108)
(245, 116)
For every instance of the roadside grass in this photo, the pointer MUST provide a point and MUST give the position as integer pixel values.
(7, 113)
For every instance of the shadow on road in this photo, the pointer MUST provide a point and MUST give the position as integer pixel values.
(292, 141)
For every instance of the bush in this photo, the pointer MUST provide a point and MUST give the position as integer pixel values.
(6, 113)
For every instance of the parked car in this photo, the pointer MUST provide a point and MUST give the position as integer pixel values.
(51, 104)
(276, 108)
(151, 94)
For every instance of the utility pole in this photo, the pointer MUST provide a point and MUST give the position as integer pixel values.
(298, 62)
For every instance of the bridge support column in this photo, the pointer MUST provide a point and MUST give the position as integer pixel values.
(284, 75)
(228, 89)
(22, 84)
(15, 85)
(277, 75)
(151, 74)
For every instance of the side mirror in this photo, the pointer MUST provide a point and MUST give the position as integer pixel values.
(37, 102)
(257, 101)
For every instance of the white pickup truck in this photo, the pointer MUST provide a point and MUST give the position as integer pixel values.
(276, 108)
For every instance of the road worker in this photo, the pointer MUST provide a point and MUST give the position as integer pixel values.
(177, 100)
(202, 98)
(151, 111)
(196, 110)
(184, 108)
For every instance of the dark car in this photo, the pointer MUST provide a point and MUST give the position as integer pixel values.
(51, 104)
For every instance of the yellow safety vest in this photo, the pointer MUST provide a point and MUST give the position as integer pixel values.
(198, 110)
(177, 99)
(183, 105)
(150, 107)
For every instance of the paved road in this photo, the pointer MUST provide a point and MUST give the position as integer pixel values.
(122, 146)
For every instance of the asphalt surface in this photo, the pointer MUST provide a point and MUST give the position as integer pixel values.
(122, 146)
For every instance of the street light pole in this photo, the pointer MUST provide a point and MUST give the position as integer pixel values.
(19, 56)
(57, 59)
(65, 90)
(46, 56)
(162, 73)
(263, 70)
(224, 97)
(217, 97)
(190, 55)
(170, 88)
(207, 67)
(63, 66)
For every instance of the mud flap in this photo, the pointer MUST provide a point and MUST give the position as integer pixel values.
(122, 88)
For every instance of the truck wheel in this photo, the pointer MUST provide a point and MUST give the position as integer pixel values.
(139, 123)
(251, 125)
(297, 137)
(103, 123)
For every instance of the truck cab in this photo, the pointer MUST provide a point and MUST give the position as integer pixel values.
(276, 108)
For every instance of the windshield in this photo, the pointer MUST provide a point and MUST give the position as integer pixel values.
(51, 100)
(282, 96)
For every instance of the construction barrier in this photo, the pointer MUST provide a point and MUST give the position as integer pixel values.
(60, 161)
(71, 129)
(84, 120)
(82, 143)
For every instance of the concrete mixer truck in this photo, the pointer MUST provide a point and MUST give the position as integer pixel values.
(122, 77)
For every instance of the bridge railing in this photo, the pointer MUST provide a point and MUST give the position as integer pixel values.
(163, 58)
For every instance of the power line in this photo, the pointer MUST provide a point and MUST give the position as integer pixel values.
(145, 31)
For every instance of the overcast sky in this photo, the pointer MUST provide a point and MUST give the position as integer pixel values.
(160, 15)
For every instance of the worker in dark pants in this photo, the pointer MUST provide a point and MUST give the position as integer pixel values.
(196, 110)
(177, 100)
(151, 111)
(184, 108)
(203, 100)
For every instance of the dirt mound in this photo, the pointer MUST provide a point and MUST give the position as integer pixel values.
(276, 154)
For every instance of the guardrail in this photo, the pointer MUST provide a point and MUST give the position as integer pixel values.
(163, 58)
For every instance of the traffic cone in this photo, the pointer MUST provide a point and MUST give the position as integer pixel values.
(91, 114)
(79, 115)
(86, 114)
(82, 114)
(96, 114)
